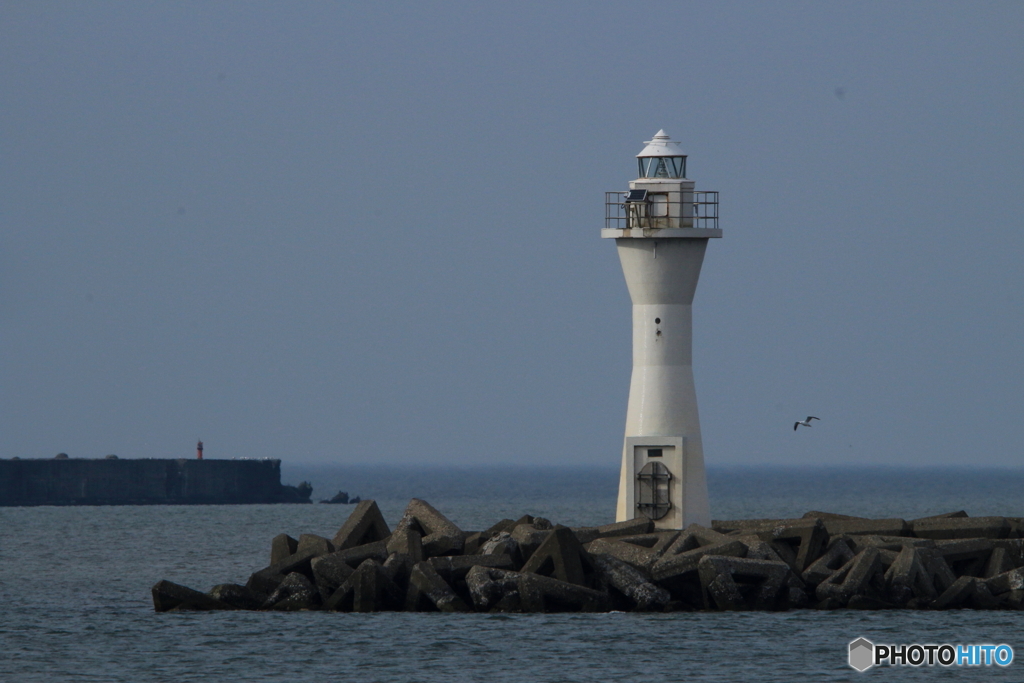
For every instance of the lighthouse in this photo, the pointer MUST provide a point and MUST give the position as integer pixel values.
(661, 227)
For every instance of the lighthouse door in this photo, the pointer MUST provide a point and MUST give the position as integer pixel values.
(657, 479)
(652, 495)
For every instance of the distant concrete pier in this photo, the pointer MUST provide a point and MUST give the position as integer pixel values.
(112, 481)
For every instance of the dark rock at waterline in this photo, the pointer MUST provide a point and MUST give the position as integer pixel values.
(238, 597)
(339, 498)
(169, 596)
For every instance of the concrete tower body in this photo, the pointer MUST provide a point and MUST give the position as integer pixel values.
(661, 229)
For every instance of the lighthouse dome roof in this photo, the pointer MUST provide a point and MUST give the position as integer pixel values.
(661, 146)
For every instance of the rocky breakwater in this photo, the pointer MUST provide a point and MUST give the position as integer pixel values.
(821, 561)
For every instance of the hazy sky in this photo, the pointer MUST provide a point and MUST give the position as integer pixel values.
(362, 232)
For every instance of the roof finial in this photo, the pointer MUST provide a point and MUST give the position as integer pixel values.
(661, 145)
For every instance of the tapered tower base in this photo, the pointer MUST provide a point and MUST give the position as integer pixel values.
(662, 473)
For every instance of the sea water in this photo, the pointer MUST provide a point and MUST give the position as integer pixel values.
(75, 603)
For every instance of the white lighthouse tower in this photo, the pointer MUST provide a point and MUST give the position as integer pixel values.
(661, 228)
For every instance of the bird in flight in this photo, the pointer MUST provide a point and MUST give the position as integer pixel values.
(805, 423)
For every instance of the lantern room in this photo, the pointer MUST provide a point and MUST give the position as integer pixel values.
(662, 197)
(662, 158)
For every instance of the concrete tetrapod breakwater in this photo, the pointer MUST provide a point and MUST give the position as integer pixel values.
(821, 561)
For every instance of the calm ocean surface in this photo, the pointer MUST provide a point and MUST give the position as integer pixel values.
(75, 602)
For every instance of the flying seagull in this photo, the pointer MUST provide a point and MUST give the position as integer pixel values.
(805, 423)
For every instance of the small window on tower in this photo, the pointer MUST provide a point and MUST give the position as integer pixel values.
(653, 452)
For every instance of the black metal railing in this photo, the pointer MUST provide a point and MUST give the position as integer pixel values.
(697, 209)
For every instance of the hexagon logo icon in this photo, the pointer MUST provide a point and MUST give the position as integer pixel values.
(862, 654)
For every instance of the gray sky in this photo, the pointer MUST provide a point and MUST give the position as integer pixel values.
(370, 233)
